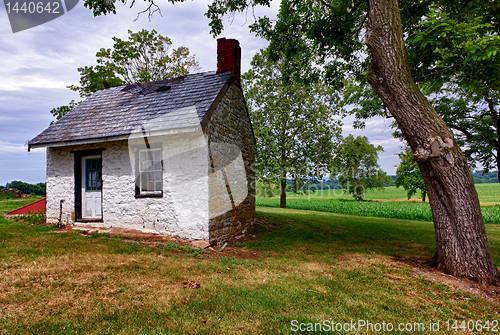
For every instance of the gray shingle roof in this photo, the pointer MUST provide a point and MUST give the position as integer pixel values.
(180, 102)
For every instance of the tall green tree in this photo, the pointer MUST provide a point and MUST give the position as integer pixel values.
(146, 56)
(334, 31)
(408, 175)
(356, 166)
(293, 123)
(454, 55)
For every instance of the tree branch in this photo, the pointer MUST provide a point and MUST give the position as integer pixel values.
(150, 13)
(355, 7)
(324, 3)
(467, 134)
(436, 72)
(406, 5)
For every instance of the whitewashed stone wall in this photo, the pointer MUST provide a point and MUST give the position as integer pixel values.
(183, 209)
(60, 184)
(181, 212)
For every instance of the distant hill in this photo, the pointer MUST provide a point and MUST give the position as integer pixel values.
(490, 177)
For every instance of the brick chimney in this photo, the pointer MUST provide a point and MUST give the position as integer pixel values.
(229, 57)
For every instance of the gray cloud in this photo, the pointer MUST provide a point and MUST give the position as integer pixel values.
(38, 63)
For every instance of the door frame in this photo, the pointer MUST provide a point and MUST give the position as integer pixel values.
(80, 155)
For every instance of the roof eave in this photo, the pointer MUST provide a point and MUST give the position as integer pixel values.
(115, 138)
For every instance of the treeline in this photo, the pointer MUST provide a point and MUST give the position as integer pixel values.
(480, 178)
(328, 184)
(37, 189)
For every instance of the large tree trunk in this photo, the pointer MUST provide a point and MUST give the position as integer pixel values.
(461, 245)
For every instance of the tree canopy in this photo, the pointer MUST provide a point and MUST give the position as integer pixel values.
(146, 56)
(293, 123)
(454, 54)
(26, 188)
(408, 175)
(356, 166)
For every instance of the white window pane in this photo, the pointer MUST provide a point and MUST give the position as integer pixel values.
(157, 155)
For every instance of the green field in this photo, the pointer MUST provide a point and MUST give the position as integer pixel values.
(388, 203)
(300, 265)
(488, 194)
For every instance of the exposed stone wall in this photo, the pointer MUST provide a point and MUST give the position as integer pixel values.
(232, 175)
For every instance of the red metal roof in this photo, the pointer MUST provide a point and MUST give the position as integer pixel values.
(35, 207)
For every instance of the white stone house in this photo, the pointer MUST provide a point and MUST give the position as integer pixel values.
(173, 157)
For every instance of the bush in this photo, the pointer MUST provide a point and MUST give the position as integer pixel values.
(38, 189)
(6, 195)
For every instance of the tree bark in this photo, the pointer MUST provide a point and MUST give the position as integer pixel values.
(358, 189)
(461, 245)
(283, 194)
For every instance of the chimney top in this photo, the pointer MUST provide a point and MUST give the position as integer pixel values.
(229, 57)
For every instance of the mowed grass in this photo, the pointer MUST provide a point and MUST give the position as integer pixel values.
(379, 203)
(309, 266)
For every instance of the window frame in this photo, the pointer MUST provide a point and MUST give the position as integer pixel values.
(139, 193)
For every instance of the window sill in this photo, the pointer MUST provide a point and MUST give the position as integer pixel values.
(89, 220)
(149, 195)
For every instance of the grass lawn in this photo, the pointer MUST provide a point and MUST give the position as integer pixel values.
(307, 266)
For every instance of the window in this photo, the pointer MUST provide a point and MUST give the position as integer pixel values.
(149, 175)
(93, 175)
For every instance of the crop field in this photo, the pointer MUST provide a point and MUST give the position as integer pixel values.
(395, 210)
(379, 203)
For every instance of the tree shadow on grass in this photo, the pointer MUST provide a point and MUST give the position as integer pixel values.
(285, 231)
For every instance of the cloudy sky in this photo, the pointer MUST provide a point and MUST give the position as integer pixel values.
(37, 64)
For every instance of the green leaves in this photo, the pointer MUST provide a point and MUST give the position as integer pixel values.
(293, 123)
(408, 175)
(59, 112)
(356, 166)
(146, 56)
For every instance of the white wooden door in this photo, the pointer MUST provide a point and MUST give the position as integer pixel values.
(92, 187)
